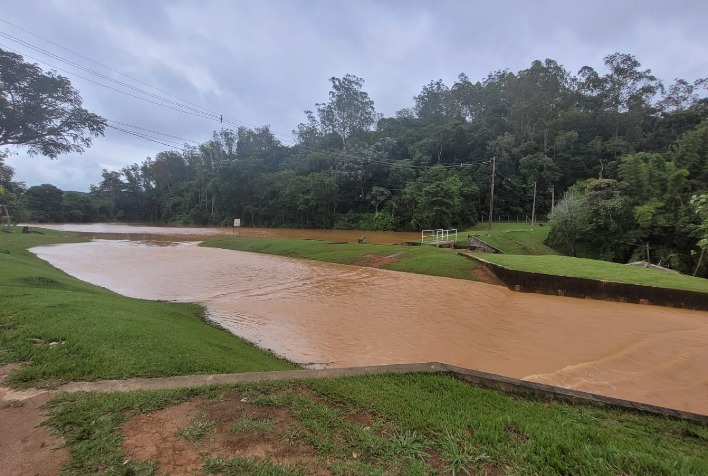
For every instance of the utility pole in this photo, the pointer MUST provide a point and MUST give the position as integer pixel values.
(533, 207)
(553, 197)
(491, 197)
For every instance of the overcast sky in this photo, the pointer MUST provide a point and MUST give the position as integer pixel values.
(267, 61)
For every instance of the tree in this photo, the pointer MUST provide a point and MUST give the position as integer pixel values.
(436, 200)
(610, 218)
(434, 104)
(377, 196)
(699, 202)
(624, 89)
(568, 223)
(682, 95)
(44, 203)
(349, 109)
(42, 111)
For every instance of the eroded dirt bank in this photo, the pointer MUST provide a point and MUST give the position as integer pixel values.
(326, 315)
(27, 448)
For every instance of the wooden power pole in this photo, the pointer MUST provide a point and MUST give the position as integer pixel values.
(533, 207)
(491, 198)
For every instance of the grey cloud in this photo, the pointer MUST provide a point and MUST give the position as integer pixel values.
(266, 62)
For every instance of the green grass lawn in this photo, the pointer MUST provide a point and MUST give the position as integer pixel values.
(65, 329)
(600, 270)
(413, 259)
(413, 424)
(513, 238)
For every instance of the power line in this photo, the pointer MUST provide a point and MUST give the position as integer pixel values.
(100, 64)
(105, 77)
(151, 131)
(105, 85)
(143, 136)
(196, 109)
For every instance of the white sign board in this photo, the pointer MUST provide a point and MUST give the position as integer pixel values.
(237, 222)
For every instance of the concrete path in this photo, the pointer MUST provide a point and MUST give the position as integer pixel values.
(479, 379)
(185, 381)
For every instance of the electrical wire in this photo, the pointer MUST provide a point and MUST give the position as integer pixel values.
(183, 106)
(194, 109)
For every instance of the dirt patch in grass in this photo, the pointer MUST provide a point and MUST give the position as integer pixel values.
(377, 261)
(26, 446)
(236, 429)
(267, 433)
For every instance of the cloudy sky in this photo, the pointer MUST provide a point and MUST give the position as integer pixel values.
(263, 62)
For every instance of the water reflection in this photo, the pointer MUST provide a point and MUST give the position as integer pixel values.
(329, 315)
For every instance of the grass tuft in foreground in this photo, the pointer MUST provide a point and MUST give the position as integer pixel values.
(198, 428)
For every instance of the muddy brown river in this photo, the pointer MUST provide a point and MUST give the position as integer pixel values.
(328, 315)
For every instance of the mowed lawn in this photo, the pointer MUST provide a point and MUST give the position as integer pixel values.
(599, 270)
(412, 259)
(65, 329)
(513, 238)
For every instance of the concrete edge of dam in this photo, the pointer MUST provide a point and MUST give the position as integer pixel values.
(476, 378)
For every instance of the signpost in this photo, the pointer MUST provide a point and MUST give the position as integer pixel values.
(237, 224)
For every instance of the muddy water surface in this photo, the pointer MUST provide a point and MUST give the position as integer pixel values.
(171, 233)
(328, 315)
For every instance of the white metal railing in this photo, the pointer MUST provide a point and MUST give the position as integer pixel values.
(437, 236)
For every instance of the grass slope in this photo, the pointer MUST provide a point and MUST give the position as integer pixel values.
(66, 329)
(514, 238)
(600, 270)
(411, 424)
(413, 259)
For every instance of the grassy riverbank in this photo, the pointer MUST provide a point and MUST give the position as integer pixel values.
(410, 424)
(598, 270)
(513, 238)
(65, 329)
(413, 259)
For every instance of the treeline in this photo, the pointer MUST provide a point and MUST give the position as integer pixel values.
(617, 153)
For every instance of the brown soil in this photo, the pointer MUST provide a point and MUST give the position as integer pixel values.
(155, 436)
(484, 275)
(376, 261)
(27, 448)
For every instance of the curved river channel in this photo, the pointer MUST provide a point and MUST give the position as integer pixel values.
(329, 315)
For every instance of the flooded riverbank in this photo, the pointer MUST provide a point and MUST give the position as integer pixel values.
(327, 315)
(139, 232)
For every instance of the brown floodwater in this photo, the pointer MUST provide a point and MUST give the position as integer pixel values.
(138, 232)
(329, 315)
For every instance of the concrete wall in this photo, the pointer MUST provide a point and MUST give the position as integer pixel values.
(523, 387)
(589, 288)
(473, 377)
(476, 244)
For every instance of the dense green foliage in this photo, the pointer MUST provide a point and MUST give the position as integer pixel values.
(415, 424)
(66, 329)
(628, 151)
(42, 111)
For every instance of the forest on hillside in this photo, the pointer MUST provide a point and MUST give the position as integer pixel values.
(615, 159)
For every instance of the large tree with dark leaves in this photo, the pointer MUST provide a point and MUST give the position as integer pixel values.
(42, 111)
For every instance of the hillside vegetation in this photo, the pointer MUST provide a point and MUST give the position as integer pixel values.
(614, 152)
